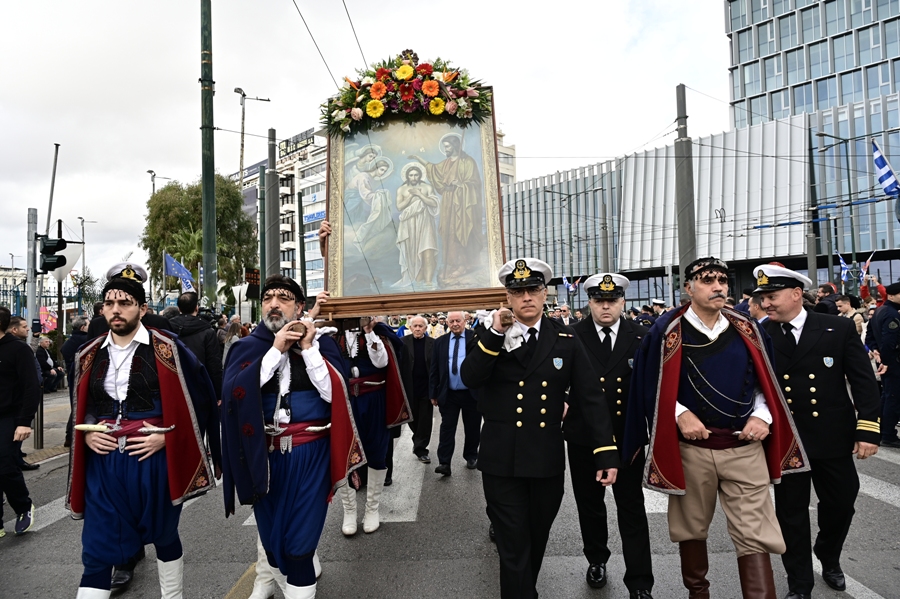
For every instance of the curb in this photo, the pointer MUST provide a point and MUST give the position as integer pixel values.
(42, 455)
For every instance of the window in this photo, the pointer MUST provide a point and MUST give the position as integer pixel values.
(288, 272)
(888, 8)
(506, 158)
(313, 170)
(781, 104)
(851, 87)
(738, 89)
(765, 34)
(287, 236)
(779, 7)
(760, 10)
(826, 93)
(308, 191)
(835, 21)
(803, 98)
(892, 38)
(788, 27)
(818, 60)
(313, 208)
(745, 46)
(312, 246)
(314, 226)
(774, 79)
(869, 45)
(316, 284)
(893, 114)
(795, 67)
(315, 264)
(843, 53)
(896, 75)
(812, 24)
(507, 179)
(288, 255)
(860, 12)
(738, 14)
(287, 219)
(875, 117)
(752, 83)
(878, 81)
(758, 110)
(740, 115)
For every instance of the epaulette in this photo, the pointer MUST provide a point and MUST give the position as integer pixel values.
(566, 335)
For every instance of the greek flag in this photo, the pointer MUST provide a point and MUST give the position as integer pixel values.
(864, 270)
(845, 270)
(175, 269)
(885, 172)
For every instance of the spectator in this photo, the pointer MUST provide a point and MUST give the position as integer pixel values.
(825, 299)
(49, 371)
(232, 334)
(744, 304)
(845, 309)
(78, 338)
(18, 328)
(170, 312)
(236, 318)
(199, 337)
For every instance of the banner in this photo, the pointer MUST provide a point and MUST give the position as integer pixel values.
(48, 320)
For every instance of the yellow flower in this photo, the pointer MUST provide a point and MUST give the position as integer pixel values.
(404, 72)
(375, 108)
(436, 106)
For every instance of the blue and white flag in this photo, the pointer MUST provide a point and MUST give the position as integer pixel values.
(885, 173)
(565, 283)
(845, 270)
(175, 269)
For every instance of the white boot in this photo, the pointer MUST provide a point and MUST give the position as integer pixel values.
(264, 585)
(373, 499)
(317, 565)
(91, 593)
(171, 578)
(348, 498)
(292, 592)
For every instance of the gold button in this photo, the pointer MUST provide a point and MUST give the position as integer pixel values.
(790, 401)
(812, 376)
(543, 425)
(543, 397)
(603, 389)
(544, 384)
(518, 410)
(619, 380)
(786, 377)
(812, 389)
(602, 380)
(619, 402)
(519, 423)
(813, 402)
(815, 414)
(792, 412)
(787, 389)
(618, 413)
(543, 410)
(519, 396)
(521, 383)
(618, 390)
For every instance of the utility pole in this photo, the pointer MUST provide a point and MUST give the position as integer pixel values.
(52, 187)
(812, 265)
(33, 311)
(273, 211)
(208, 178)
(261, 191)
(244, 99)
(302, 245)
(684, 187)
(59, 303)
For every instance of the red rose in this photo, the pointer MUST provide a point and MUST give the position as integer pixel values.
(406, 91)
(239, 393)
(383, 74)
(248, 430)
(424, 69)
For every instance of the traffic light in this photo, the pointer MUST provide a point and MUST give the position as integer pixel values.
(49, 247)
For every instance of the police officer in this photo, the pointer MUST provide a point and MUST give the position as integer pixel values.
(886, 329)
(611, 342)
(646, 318)
(522, 367)
(816, 356)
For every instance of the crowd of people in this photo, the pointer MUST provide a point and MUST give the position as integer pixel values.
(709, 402)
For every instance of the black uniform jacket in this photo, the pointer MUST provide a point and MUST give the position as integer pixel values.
(615, 377)
(814, 385)
(522, 401)
(408, 362)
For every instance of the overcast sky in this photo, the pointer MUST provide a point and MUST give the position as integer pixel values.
(115, 83)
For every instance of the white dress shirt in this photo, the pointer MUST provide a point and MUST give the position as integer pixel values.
(524, 327)
(614, 332)
(316, 368)
(798, 323)
(120, 358)
(760, 409)
(377, 351)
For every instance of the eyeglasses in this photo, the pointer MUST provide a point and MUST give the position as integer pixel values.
(710, 279)
(517, 291)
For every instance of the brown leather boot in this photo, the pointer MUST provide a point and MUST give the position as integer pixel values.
(694, 566)
(757, 580)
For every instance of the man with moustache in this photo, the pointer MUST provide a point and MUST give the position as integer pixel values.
(416, 360)
(818, 356)
(704, 386)
(99, 325)
(611, 342)
(143, 405)
(521, 366)
(288, 437)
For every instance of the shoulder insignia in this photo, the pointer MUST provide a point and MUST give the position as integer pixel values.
(893, 325)
(565, 335)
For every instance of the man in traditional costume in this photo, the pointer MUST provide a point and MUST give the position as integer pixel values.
(522, 368)
(143, 406)
(704, 383)
(288, 435)
(370, 353)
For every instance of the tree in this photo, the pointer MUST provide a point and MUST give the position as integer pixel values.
(90, 288)
(173, 226)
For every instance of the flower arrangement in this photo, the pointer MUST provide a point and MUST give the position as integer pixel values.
(403, 88)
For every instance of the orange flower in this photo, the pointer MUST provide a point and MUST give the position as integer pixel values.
(431, 88)
(378, 90)
(352, 84)
(451, 76)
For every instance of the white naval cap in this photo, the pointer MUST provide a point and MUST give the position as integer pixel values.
(606, 285)
(525, 272)
(657, 302)
(772, 277)
(127, 270)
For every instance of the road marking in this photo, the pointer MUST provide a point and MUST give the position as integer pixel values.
(400, 501)
(44, 515)
(251, 521)
(854, 588)
(888, 456)
(880, 490)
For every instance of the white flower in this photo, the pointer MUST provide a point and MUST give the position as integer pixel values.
(368, 80)
(337, 114)
(462, 104)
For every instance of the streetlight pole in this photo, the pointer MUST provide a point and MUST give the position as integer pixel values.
(244, 97)
(153, 178)
(846, 151)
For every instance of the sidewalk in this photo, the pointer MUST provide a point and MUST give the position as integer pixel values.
(56, 414)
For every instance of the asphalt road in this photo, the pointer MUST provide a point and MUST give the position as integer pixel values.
(433, 542)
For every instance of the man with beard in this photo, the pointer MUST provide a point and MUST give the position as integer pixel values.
(611, 342)
(99, 326)
(143, 405)
(288, 437)
(458, 182)
(416, 234)
(704, 385)
(820, 360)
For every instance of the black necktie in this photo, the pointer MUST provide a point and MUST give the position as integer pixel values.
(532, 338)
(788, 329)
(606, 344)
(455, 368)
